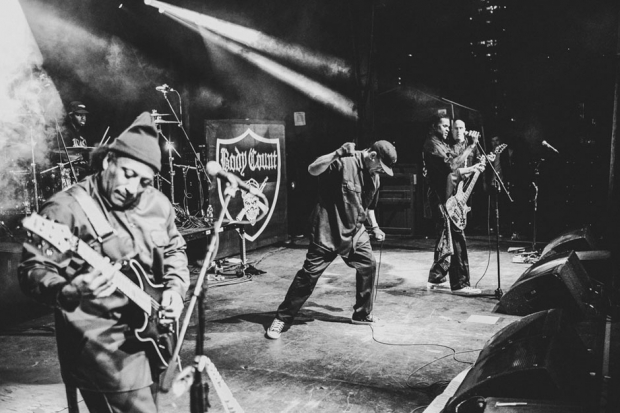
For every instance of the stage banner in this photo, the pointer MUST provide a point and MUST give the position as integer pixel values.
(254, 151)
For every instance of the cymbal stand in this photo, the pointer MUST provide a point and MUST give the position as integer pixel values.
(201, 195)
(64, 148)
(186, 194)
(35, 183)
(171, 166)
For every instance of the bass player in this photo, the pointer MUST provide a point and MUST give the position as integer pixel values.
(445, 166)
(97, 351)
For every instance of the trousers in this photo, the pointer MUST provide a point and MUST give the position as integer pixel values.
(458, 272)
(317, 260)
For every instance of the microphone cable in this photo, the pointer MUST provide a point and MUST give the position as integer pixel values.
(376, 283)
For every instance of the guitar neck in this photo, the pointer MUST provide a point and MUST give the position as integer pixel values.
(470, 186)
(121, 281)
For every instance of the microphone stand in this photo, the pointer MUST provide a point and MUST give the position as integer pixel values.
(534, 184)
(198, 398)
(498, 292)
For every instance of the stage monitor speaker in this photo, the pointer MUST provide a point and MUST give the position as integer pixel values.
(558, 281)
(580, 239)
(539, 357)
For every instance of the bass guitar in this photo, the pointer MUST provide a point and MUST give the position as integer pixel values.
(456, 205)
(137, 287)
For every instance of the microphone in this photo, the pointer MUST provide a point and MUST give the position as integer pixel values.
(546, 145)
(215, 170)
(163, 88)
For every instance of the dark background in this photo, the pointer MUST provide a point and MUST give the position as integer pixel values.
(549, 76)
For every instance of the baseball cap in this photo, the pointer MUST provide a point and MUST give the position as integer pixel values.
(77, 107)
(387, 155)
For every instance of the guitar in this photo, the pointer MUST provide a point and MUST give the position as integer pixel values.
(456, 205)
(161, 338)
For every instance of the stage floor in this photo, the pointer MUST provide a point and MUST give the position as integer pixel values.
(322, 363)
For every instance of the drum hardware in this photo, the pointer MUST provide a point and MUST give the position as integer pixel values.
(59, 165)
(7, 230)
(190, 221)
(74, 150)
(158, 121)
(104, 140)
(64, 147)
(158, 179)
(189, 141)
(154, 114)
(186, 195)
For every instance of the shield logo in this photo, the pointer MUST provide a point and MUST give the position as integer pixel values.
(256, 160)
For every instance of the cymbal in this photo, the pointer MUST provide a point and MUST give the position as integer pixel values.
(164, 121)
(74, 150)
(155, 114)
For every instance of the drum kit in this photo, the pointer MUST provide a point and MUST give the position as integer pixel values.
(20, 183)
(24, 185)
(183, 216)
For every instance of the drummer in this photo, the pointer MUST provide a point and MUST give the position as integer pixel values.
(76, 120)
(75, 146)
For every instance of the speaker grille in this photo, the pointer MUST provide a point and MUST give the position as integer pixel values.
(538, 357)
(559, 281)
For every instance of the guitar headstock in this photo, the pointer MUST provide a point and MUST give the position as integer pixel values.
(500, 148)
(57, 235)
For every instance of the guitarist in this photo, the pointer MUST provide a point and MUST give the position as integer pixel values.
(445, 166)
(98, 352)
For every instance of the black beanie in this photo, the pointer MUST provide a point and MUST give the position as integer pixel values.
(140, 142)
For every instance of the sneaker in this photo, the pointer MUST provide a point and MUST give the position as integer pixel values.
(444, 286)
(366, 320)
(469, 291)
(275, 330)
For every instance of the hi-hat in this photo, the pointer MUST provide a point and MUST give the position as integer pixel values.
(155, 114)
(164, 121)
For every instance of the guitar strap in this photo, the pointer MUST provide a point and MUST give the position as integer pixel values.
(100, 224)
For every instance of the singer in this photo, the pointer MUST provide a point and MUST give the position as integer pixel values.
(446, 166)
(98, 348)
(348, 194)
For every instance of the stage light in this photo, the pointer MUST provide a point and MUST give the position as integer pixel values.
(230, 40)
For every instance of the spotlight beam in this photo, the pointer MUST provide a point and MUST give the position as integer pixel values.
(331, 66)
(305, 85)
